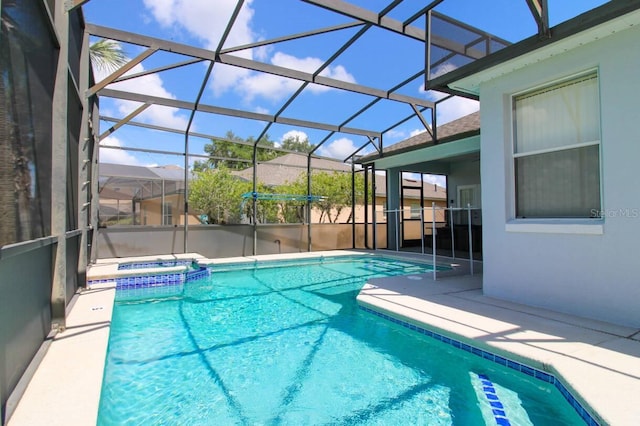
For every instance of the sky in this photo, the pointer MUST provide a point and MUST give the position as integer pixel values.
(379, 59)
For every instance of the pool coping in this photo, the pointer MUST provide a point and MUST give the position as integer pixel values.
(87, 334)
(597, 363)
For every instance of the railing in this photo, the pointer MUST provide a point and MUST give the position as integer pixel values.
(398, 214)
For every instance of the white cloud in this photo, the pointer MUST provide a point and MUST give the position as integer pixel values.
(295, 134)
(339, 148)
(439, 180)
(442, 69)
(225, 77)
(275, 88)
(395, 134)
(454, 108)
(150, 84)
(310, 65)
(262, 53)
(416, 132)
(206, 20)
(116, 156)
(268, 86)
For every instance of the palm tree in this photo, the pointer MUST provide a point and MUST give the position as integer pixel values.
(15, 178)
(107, 55)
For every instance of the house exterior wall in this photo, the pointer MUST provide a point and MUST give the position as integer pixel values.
(151, 211)
(589, 272)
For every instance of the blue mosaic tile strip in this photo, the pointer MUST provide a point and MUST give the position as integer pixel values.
(522, 368)
(155, 264)
(148, 281)
(101, 281)
(372, 263)
(197, 274)
(497, 408)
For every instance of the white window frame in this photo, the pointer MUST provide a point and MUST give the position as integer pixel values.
(167, 213)
(589, 226)
(477, 196)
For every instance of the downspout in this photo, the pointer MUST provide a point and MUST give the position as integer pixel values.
(353, 204)
(366, 206)
(373, 204)
(308, 205)
(162, 208)
(254, 196)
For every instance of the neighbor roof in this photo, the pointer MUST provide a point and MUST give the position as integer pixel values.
(463, 127)
(288, 168)
(170, 172)
(430, 191)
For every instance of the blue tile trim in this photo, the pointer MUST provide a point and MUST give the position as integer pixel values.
(522, 368)
(263, 264)
(155, 264)
(147, 281)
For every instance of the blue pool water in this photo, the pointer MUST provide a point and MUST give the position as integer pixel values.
(288, 345)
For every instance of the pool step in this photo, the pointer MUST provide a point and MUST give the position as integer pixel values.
(498, 405)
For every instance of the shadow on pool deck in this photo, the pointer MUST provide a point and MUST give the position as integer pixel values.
(597, 361)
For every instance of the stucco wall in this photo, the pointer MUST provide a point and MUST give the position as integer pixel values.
(588, 275)
(462, 173)
(216, 241)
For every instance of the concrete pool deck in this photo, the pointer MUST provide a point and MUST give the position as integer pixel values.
(599, 362)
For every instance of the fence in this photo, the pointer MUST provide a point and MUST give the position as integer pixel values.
(438, 216)
(236, 240)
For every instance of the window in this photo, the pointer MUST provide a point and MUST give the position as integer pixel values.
(469, 195)
(557, 150)
(415, 211)
(167, 214)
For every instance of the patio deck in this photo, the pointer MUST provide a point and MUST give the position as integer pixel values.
(599, 362)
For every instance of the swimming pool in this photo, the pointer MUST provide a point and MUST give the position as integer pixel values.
(275, 343)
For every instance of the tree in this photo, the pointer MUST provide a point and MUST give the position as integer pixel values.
(222, 152)
(292, 211)
(333, 187)
(107, 55)
(294, 143)
(218, 194)
(21, 213)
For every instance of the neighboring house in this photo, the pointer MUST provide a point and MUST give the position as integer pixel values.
(559, 155)
(290, 167)
(139, 195)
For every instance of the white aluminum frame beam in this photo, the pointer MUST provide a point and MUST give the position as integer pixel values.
(136, 97)
(394, 25)
(169, 46)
